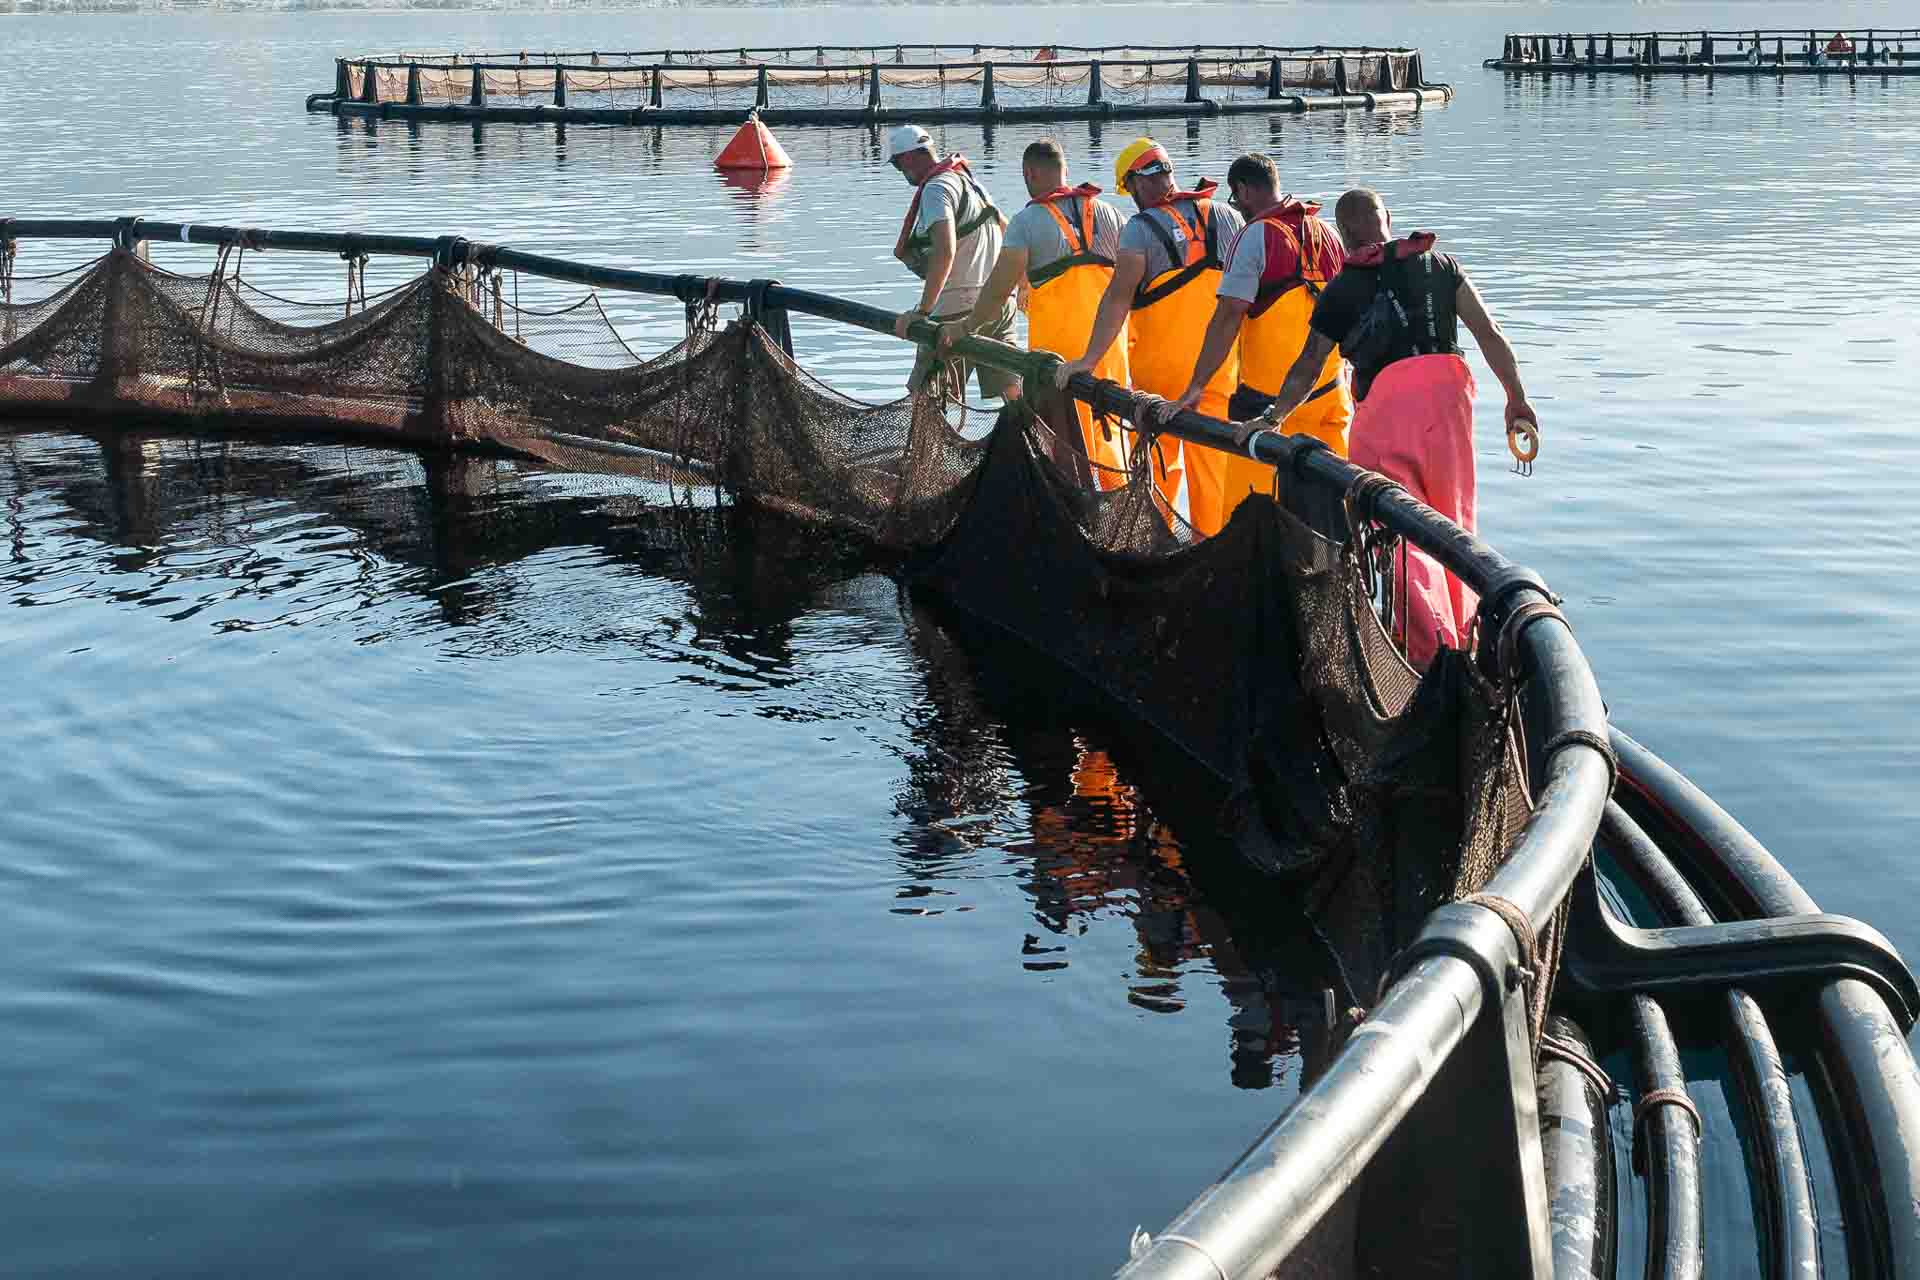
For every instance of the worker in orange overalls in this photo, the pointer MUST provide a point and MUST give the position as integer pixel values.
(1276, 269)
(1062, 246)
(1164, 277)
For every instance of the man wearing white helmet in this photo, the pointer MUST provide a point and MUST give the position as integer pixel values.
(950, 239)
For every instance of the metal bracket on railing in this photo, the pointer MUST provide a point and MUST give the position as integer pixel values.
(449, 252)
(1463, 1177)
(1606, 957)
(126, 233)
(773, 320)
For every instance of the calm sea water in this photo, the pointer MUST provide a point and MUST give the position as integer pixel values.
(430, 871)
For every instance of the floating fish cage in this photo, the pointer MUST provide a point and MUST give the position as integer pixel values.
(1577, 1004)
(843, 84)
(1875, 51)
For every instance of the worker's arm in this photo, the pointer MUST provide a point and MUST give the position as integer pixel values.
(939, 264)
(1128, 268)
(1294, 389)
(1497, 350)
(1008, 270)
(1228, 313)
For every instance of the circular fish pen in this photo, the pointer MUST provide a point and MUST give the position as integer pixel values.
(847, 84)
(1756, 52)
(1514, 888)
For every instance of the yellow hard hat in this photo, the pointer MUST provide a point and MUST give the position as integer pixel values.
(1140, 153)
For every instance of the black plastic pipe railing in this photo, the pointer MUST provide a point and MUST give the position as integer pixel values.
(1792, 1234)
(877, 52)
(861, 68)
(1259, 1210)
(1861, 1062)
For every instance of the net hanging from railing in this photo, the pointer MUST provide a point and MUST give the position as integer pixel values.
(1254, 659)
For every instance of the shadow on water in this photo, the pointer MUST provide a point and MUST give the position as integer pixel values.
(1007, 756)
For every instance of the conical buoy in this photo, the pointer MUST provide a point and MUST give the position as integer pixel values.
(753, 147)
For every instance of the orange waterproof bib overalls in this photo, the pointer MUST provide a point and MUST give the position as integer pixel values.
(1065, 298)
(1278, 322)
(1302, 256)
(1166, 328)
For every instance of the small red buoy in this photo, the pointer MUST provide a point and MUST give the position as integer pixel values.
(753, 147)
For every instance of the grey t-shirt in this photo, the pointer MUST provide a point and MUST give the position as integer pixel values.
(1035, 230)
(942, 201)
(1136, 238)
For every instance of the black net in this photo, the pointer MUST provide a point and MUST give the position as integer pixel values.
(1253, 662)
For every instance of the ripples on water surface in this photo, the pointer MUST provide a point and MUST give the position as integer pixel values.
(429, 869)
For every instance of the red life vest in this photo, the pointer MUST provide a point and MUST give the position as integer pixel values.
(1301, 251)
(973, 211)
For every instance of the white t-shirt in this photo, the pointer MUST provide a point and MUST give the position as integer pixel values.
(942, 200)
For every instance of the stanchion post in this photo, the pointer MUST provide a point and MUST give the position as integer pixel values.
(987, 102)
(477, 96)
(1339, 75)
(873, 86)
(1096, 91)
(1193, 80)
(413, 84)
(369, 84)
(342, 80)
(1275, 76)
(653, 89)
(559, 86)
(760, 87)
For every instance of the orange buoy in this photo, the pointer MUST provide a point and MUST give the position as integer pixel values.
(753, 147)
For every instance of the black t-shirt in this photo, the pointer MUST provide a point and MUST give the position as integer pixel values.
(1427, 285)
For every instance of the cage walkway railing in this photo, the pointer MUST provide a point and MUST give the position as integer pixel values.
(1458, 983)
(1443, 1064)
(468, 86)
(1774, 50)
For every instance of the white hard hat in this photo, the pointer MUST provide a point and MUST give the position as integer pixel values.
(907, 137)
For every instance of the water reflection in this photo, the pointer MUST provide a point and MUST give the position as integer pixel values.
(248, 536)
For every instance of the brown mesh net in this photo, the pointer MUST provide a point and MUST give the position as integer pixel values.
(1253, 661)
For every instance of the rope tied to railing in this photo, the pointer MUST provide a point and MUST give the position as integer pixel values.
(356, 260)
(1552, 1046)
(1651, 1101)
(9, 250)
(1519, 925)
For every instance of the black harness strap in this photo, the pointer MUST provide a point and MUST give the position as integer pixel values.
(1146, 297)
(1079, 252)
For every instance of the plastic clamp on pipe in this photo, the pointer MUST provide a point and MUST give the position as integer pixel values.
(773, 320)
(449, 252)
(126, 233)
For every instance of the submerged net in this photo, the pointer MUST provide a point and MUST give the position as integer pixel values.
(1252, 662)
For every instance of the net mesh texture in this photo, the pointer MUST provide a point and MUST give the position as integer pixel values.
(1254, 658)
